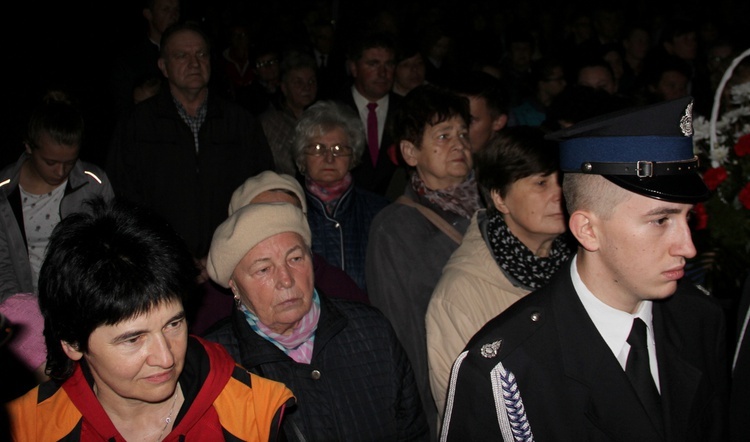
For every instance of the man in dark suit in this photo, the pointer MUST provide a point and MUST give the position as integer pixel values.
(616, 347)
(372, 62)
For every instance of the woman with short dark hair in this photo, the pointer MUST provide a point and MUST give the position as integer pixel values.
(512, 247)
(411, 239)
(111, 291)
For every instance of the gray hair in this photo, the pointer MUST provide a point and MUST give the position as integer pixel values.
(319, 119)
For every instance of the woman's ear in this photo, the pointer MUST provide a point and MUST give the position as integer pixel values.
(499, 202)
(71, 350)
(410, 152)
(583, 225)
(233, 287)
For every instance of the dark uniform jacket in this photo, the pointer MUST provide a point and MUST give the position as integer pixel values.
(572, 386)
(359, 385)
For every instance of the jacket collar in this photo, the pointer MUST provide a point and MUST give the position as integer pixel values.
(589, 362)
(256, 351)
(76, 179)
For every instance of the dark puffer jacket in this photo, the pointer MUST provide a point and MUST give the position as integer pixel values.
(341, 238)
(359, 385)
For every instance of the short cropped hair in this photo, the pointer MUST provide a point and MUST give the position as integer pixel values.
(178, 27)
(593, 193)
(370, 40)
(483, 85)
(321, 118)
(515, 153)
(107, 264)
(57, 116)
(427, 105)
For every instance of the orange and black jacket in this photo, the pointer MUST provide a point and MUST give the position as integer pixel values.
(222, 402)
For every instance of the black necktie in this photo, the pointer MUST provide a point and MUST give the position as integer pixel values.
(639, 372)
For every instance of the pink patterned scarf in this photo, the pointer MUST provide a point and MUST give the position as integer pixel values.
(299, 344)
(330, 195)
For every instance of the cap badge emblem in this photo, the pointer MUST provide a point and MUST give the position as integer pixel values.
(490, 350)
(686, 122)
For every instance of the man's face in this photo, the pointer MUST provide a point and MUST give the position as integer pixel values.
(300, 87)
(52, 161)
(323, 39)
(164, 14)
(274, 280)
(555, 82)
(139, 358)
(186, 62)
(640, 251)
(672, 85)
(684, 46)
(267, 67)
(637, 44)
(483, 124)
(373, 73)
(597, 77)
(410, 72)
(520, 55)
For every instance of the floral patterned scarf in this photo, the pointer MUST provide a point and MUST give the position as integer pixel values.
(462, 199)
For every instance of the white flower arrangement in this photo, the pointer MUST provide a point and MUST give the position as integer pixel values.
(722, 224)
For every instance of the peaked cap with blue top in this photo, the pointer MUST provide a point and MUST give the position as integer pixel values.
(647, 150)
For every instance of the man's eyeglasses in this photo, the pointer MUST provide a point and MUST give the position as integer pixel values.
(319, 150)
(264, 63)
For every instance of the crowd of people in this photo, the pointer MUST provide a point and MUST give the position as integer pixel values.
(374, 225)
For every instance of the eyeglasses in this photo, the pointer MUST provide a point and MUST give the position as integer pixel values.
(262, 64)
(319, 150)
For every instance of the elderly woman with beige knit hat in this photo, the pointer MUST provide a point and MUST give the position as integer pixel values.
(342, 360)
(266, 187)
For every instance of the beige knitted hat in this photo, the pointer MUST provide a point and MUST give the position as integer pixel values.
(247, 227)
(268, 180)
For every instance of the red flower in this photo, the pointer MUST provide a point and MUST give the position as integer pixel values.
(742, 147)
(714, 176)
(700, 216)
(744, 196)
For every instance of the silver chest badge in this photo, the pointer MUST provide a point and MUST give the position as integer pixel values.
(686, 122)
(490, 350)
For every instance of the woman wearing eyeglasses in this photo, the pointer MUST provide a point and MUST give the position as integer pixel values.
(328, 142)
(412, 239)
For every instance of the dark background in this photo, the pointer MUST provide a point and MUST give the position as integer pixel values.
(71, 44)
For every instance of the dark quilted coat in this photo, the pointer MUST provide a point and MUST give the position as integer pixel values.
(359, 385)
(341, 238)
